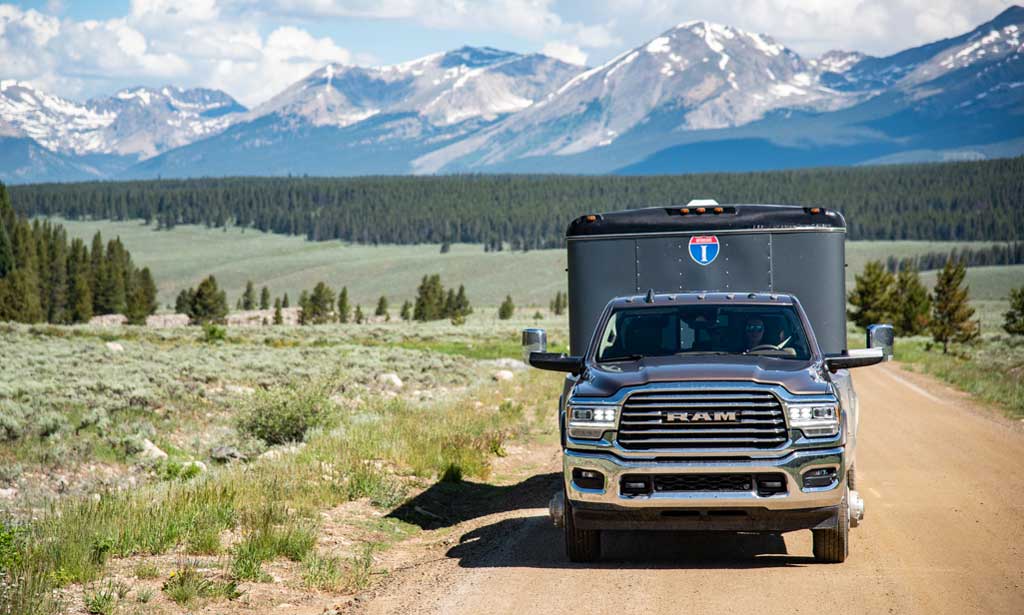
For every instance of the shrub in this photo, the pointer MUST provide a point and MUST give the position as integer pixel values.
(187, 584)
(321, 572)
(1013, 319)
(284, 414)
(507, 308)
(213, 334)
(145, 570)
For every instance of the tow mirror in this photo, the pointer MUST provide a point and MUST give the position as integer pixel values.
(854, 358)
(882, 336)
(557, 362)
(534, 340)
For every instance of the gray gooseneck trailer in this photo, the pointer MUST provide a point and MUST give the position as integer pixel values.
(765, 248)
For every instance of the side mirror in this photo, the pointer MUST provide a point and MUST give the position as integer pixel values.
(534, 340)
(854, 358)
(882, 336)
(557, 362)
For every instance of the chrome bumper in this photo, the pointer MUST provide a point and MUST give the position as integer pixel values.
(792, 466)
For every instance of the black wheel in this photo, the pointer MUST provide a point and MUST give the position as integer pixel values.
(832, 546)
(580, 545)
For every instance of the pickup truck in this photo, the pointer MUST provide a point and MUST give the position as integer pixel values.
(708, 384)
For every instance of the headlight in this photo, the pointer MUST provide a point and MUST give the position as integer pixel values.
(815, 420)
(590, 422)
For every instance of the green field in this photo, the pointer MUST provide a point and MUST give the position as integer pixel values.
(182, 256)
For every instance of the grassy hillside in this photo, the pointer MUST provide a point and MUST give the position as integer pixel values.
(181, 257)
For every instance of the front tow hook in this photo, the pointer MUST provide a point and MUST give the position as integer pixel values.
(556, 509)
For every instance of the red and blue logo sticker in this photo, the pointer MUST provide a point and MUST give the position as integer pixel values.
(703, 249)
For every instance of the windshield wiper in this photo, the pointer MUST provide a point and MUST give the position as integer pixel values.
(691, 353)
(626, 357)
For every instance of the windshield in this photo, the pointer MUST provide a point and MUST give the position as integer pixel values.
(772, 330)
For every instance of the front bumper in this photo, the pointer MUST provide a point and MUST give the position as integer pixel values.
(795, 508)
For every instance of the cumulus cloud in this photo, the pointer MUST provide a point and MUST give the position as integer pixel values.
(254, 48)
(158, 42)
(878, 27)
(565, 52)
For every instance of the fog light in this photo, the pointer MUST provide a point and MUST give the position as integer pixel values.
(587, 479)
(635, 485)
(819, 477)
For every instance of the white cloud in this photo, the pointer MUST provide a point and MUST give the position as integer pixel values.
(878, 27)
(158, 42)
(565, 52)
(255, 48)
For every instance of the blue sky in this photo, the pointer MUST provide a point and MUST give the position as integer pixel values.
(254, 48)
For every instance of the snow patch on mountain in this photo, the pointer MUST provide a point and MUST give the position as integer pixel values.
(139, 122)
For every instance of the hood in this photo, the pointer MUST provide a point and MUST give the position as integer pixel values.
(797, 377)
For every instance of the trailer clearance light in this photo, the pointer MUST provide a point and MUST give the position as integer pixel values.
(590, 422)
(816, 421)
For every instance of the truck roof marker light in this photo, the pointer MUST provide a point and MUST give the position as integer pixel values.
(684, 210)
(718, 210)
(701, 210)
(590, 218)
(814, 210)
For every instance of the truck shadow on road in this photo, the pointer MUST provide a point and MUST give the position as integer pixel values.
(516, 538)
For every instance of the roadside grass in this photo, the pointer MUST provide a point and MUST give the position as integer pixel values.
(991, 369)
(378, 450)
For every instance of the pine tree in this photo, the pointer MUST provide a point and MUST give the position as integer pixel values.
(872, 297)
(449, 309)
(183, 303)
(57, 284)
(1013, 319)
(142, 301)
(209, 303)
(359, 315)
(6, 250)
(304, 308)
(559, 303)
(278, 316)
(79, 292)
(430, 299)
(507, 308)
(951, 314)
(320, 305)
(406, 312)
(462, 306)
(382, 307)
(265, 298)
(284, 302)
(249, 296)
(911, 304)
(344, 309)
(80, 299)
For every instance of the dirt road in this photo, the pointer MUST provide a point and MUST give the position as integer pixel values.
(944, 533)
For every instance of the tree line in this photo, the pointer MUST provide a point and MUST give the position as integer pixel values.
(44, 277)
(1011, 253)
(948, 201)
(880, 296)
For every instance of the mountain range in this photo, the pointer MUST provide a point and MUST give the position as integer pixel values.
(699, 97)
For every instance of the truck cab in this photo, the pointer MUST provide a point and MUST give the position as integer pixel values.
(718, 398)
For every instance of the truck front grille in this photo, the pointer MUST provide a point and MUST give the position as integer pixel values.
(701, 419)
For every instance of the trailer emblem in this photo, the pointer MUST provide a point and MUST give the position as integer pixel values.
(704, 249)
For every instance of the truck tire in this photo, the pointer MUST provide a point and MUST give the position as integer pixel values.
(580, 545)
(851, 477)
(832, 546)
